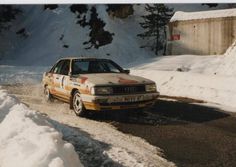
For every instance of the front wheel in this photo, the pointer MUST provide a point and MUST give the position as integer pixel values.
(78, 105)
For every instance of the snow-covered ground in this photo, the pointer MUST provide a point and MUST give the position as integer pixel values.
(36, 138)
(27, 139)
(27, 136)
(209, 78)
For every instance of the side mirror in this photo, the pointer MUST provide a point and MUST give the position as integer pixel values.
(127, 71)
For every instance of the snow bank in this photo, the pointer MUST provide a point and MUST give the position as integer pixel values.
(220, 65)
(210, 88)
(181, 16)
(208, 78)
(228, 64)
(28, 140)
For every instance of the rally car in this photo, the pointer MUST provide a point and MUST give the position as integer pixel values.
(97, 84)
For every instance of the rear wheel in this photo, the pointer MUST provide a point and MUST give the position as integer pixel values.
(47, 95)
(78, 105)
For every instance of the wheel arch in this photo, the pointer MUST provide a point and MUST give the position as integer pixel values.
(73, 91)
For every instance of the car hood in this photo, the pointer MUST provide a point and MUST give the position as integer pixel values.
(112, 79)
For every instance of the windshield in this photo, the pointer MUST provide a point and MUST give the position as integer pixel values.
(88, 66)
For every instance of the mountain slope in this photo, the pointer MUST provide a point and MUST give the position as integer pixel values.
(40, 36)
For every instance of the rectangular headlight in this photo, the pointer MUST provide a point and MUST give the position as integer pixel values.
(150, 88)
(102, 90)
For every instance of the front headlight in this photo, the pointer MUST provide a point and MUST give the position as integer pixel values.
(101, 90)
(150, 88)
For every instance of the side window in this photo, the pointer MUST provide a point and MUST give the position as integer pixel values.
(64, 70)
(58, 67)
(62, 67)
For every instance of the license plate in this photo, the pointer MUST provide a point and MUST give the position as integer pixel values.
(133, 98)
(126, 99)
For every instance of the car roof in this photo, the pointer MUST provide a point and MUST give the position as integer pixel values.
(86, 58)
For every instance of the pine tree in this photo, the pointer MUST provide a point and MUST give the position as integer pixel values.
(7, 14)
(155, 26)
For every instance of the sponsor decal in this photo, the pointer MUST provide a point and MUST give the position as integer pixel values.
(73, 79)
(83, 79)
(76, 84)
(126, 81)
(62, 82)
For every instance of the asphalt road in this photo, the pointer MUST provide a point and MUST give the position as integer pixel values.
(190, 135)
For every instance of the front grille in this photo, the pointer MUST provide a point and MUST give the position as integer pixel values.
(128, 89)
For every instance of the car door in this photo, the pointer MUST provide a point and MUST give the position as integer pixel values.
(52, 75)
(55, 77)
(61, 78)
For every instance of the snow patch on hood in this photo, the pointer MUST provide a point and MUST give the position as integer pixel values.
(115, 79)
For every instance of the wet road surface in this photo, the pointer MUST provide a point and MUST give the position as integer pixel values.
(190, 135)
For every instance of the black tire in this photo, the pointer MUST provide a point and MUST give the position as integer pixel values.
(47, 95)
(78, 105)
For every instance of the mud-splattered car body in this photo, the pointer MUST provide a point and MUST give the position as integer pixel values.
(108, 87)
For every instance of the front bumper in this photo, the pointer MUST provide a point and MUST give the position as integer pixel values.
(119, 101)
